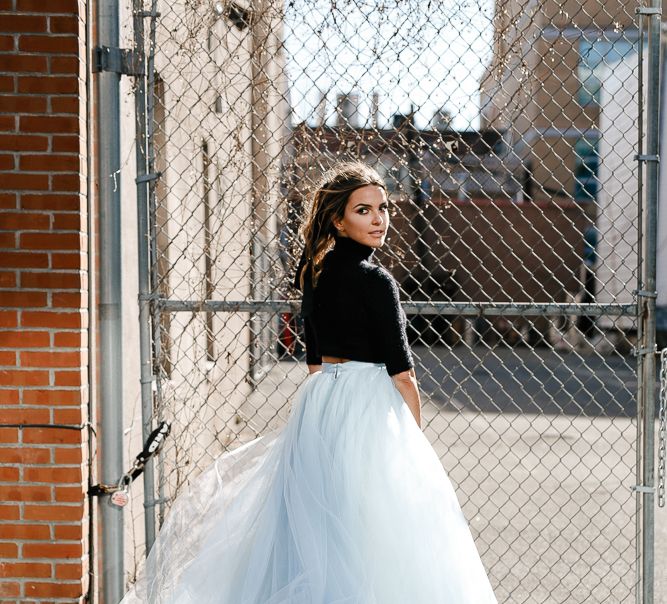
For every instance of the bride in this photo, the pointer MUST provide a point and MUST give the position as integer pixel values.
(347, 503)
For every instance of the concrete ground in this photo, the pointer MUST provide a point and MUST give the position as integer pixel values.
(540, 447)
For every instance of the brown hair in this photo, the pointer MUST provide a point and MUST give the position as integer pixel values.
(328, 203)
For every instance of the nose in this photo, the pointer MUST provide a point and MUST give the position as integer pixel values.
(378, 218)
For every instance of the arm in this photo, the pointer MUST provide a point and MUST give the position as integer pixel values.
(391, 328)
(406, 384)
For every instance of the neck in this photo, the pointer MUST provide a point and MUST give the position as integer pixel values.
(348, 247)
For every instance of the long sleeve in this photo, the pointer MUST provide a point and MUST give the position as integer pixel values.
(389, 321)
(313, 356)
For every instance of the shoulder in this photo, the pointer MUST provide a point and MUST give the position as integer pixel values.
(379, 279)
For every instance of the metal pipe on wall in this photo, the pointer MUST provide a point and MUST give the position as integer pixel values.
(110, 428)
(649, 297)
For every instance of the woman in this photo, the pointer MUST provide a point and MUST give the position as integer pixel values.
(348, 502)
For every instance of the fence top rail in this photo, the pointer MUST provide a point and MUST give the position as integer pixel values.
(421, 308)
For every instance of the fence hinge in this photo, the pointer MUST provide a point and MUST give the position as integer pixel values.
(117, 60)
(648, 10)
(640, 488)
(655, 158)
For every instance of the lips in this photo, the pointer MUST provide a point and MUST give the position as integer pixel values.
(378, 232)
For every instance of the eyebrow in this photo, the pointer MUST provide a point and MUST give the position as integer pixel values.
(368, 205)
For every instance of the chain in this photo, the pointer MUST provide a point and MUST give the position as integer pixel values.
(662, 454)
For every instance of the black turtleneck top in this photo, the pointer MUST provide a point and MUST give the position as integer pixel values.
(355, 311)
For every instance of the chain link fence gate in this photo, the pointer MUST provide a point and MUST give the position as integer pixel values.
(506, 132)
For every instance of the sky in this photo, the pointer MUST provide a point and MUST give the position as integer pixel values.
(428, 53)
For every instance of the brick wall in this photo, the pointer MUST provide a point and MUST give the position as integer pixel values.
(43, 302)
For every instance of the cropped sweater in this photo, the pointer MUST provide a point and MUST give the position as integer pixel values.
(355, 311)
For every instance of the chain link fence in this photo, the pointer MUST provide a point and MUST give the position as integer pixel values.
(506, 133)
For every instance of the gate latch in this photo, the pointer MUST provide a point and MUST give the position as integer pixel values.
(117, 60)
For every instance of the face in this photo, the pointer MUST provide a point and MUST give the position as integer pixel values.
(366, 217)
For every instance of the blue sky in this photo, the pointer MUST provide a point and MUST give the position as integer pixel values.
(429, 53)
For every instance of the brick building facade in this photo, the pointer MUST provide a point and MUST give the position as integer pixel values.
(44, 303)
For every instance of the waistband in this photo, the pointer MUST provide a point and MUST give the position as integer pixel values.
(337, 368)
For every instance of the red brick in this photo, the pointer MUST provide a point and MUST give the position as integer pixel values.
(68, 339)
(22, 104)
(23, 378)
(68, 378)
(53, 475)
(7, 123)
(64, 25)
(26, 416)
(7, 240)
(9, 435)
(8, 318)
(29, 532)
(64, 65)
(16, 23)
(25, 455)
(68, 416)
(68, 455)
(9, 512)
(51, 436)
(8, 474)
(50, 280)
(24, 259)
(16, 63)
(68, 571)
(9, 589)
(62, 320)
(65, 104)
(54, 6)
(64, 300)
(7, 358)
(68, 222)
(69, 494)
(8, 201)
(26, 182)
(25, 492)
(25, 569)
(49, 123)
(7, 83)
(49, 201)
(21, 299)
(60, 45)
(6, 43)
(53, 512)
(65, 182)
(7, 279)
(66, 144)
(21, 142)
(16, 221)
(7, 162)
(47, 85)
(49, 162)
(51, 397)
(51, 241)
(24, 339)
(50, 359)
(53, 590)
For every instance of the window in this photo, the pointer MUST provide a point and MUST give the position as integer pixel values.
(595, 55)
(586, 163)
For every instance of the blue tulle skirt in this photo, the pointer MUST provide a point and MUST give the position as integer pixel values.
(347, 503)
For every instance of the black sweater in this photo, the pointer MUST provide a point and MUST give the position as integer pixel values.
(354, 312)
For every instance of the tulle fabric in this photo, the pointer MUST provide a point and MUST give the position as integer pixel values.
(347, 503)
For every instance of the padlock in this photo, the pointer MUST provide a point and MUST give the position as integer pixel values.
(120, 498)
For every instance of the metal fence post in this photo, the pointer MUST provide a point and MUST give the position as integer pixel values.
(648, 296)
(110, 319)
(142, 180)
